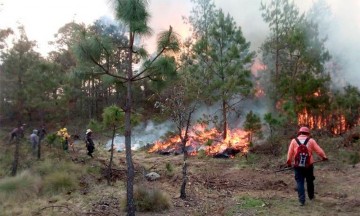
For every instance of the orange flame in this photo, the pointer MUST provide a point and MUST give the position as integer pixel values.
(209, 140)
(336, 123)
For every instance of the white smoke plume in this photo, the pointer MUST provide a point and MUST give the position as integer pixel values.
(143, 134)
(340, 25)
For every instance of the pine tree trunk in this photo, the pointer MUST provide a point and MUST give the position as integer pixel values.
(109, 172)
(128, 108)
(39, 149)
(16, 156)
(224, 119)
(184, 172)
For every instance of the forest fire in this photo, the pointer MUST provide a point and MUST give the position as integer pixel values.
(335, 123)
(201, 138)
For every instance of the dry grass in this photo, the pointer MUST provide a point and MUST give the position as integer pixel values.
(71, 184)
(20, 188)
(151, 199)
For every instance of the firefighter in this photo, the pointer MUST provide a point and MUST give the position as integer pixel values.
(89, 142)
(303, 162)
(17, 133)
(34, 139)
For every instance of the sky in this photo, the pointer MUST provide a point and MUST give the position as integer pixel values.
(43, 18)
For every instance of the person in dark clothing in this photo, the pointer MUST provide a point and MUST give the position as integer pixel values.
(17, 133)
(89, 142)
(42, 132)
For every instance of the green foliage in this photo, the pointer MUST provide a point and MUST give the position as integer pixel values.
(19, 188)
(271, 120)
(347, 102)
(222, 56)
(250, 202)
(169, 169)
(253, 124)
(169, 40)
(29, 81)
(150, 200)
(94, 125)
(295, 56)
(134, 14)
(51, 138)
(113, 116)
(248, 205)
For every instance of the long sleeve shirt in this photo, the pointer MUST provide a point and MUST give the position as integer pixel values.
(311, 145)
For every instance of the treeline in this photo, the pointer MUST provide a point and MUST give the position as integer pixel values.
(215, 63)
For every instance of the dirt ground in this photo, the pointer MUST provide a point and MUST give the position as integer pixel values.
(250, 187)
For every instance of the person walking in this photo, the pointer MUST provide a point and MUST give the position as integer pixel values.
(300, 156)
(17, 133)
(42, 132)
(34, 139)
(89, 142)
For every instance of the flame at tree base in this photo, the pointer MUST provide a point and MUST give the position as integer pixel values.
(201, 138)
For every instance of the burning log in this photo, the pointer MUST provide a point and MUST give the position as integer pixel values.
(228, 153)
(221, 155)
(165, 153)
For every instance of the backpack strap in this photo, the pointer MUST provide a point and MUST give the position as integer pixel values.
(299, 143)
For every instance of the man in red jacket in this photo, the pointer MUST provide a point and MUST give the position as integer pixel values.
(303, 162)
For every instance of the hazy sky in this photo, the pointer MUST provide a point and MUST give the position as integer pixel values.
(42, 19)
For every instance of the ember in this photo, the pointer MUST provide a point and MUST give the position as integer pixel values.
(209, 140)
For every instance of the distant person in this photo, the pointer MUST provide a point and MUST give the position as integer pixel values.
(17, 133)
(63, 134)
(34, 139)
(301, 153)
(89, 142)
(42, 132)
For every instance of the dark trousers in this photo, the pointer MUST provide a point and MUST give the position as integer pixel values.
(300, 175)
(90, 149)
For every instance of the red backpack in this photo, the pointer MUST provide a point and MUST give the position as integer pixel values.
(302, 156)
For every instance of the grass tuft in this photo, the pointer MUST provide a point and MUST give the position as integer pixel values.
(150, 200)
(169, 169)
(59, 182)
(19, 188)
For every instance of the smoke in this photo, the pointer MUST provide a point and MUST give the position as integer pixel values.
(143, 134)
(343, 31)
(339, 23)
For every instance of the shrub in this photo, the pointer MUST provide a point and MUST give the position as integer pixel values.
(20, 187)
(150, 200)
(169, 169)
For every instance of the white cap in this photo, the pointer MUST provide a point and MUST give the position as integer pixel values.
(88, 131)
